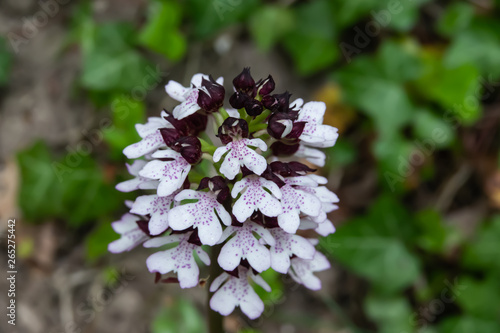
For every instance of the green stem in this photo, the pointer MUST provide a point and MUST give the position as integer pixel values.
(215, 321)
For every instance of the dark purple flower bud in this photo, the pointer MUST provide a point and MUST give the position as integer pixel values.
(189, 147)
(283, 101)
(233, 129)
(269, 102)
(291, 169)
(212, 101)
(238, 100)
(279, 125)
(253, 107)
(265, 87)
(170, 135)
(245, 83)
(191, 125)
(271, 176)
(282, 149)
(216, 184)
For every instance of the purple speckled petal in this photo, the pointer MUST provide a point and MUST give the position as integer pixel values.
(179, 259)
(157, 207)
(302, 270)
(255, 197)
(189, 106)
(131, 235)
(293, 202)
(200, 214)
(147, 145)
(244, 245)
(171, 174)
(236, 292)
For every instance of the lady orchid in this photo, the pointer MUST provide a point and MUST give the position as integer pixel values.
(231, 179)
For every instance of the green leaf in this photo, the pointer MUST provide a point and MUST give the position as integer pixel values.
(374, 247)
(399, 60)
(126, 113)
(364, 85)
(390, 313)
(269, 24)
(5, 62)
(431, 128)
(455, 19)
(109, 61)
(433, 235)
(210, 16)
(161, 33)
(467, 324)
(40, 193)
(455, 89)
(480, 297)
(72, 188)
(181, 316)
(483, 252)
(313, 41)
(479, 47)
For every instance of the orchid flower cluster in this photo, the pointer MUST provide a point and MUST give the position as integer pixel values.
(230, 178)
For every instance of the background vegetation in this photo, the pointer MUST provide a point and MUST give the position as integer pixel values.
(414, 88)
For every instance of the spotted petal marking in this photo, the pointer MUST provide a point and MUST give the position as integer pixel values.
(203, 214)
(179, 259)
(315, 133)
(157, 207)
(171, 174)
(301, 270)
(138, 182)
(131, 234)
(287, 245)
(240, 154)
(255, 197)
(244, 245)
(236, 291)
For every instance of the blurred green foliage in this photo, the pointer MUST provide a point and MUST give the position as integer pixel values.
(415, 78)
(5, 62)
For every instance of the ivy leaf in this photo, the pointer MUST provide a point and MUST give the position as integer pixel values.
(312, 43)
(161, 33)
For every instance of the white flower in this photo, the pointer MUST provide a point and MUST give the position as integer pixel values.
(179, 259)
(151, 137)
(236, 291)
(240, 154)
(294, 201)
(301, 270)
(315, 156)
(131, 234)
(255, 197)
(244, 245)
(188, 96)
(171, 174)
(287, 245)
(203, 214)
(327, 197)
(315, 133)
(155, 206)
(138, 182)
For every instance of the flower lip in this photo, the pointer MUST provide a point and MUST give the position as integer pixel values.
(233, 129)
(245, 83)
